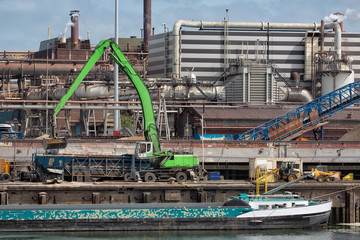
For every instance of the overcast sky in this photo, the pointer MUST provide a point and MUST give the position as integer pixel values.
(24, 23)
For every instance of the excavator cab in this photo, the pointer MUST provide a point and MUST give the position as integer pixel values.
(144, 149)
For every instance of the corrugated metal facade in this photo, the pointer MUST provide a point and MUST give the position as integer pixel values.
(203, 50)
(253, 83)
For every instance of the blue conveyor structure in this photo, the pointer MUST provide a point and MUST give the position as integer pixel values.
(306, 117)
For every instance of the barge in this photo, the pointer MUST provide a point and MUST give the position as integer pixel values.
(243, 212)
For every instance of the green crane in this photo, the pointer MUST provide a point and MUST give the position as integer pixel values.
(151, 148)
(150, 130)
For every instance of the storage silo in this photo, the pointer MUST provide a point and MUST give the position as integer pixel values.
(333, 81)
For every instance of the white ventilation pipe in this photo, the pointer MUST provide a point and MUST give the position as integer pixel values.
(337, 29)
(92, 92)
(262, 26)
(296, 94)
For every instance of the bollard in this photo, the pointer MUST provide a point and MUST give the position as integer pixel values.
(4, 198)
(202, 196)
(146, 197)
(42, 198)
(96, 198)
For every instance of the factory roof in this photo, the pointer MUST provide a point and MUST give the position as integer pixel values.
(263, 112)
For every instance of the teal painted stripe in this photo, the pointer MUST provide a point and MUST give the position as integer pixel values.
(121, 213)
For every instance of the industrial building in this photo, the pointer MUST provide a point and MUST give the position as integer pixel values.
(213, 78)
(251, 68)
(210, 49)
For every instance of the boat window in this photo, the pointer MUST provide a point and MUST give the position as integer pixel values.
(278, 206)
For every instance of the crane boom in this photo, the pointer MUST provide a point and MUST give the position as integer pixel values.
(150, 129)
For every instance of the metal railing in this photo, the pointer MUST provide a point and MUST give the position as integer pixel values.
(17, 54)
(308, 115)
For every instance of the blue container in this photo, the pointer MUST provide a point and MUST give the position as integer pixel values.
(214, 176)
(11, 135)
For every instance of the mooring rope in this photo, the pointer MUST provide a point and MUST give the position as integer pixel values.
(344, 190)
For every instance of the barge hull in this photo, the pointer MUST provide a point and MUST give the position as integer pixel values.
(289, 222)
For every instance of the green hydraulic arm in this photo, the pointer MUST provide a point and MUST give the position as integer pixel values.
(150, 129)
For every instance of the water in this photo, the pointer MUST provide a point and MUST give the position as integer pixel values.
(338, 233)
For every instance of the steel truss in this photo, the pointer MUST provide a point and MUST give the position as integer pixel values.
(306, 117)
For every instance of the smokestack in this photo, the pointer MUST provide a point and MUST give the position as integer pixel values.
(322, 35)
(147, 23)
(74, 15)
(340, 17)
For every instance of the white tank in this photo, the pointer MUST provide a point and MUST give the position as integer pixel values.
(62, 40)
(330, 82)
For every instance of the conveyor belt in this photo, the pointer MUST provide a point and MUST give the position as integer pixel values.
(308, 116)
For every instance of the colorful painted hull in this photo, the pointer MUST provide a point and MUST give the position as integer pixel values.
(156, 217)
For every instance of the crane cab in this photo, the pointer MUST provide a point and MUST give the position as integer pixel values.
(144, 149)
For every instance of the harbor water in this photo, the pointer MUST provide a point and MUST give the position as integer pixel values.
(338, 233)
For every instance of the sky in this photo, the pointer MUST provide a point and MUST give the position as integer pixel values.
(24, 23)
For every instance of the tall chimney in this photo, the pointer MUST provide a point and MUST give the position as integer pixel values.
(342, 26)
(74, 15)
(341, 23)
(147, 23)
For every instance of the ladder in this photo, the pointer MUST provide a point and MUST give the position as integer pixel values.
(162, 118)
(88, 118)
(138, 123)
(305, 118)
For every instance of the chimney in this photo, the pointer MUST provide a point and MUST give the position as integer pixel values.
(147, 23)
(341, 15)
(74, 15)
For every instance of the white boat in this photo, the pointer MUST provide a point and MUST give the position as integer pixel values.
(283, 211)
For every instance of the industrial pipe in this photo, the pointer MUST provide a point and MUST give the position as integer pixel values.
(14, 69)
(200, 24)
(294, 94)
(91, 91)
(337, 29)
(83, 91)
(100, 90)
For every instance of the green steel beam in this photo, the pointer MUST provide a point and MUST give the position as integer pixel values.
(100, 49)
